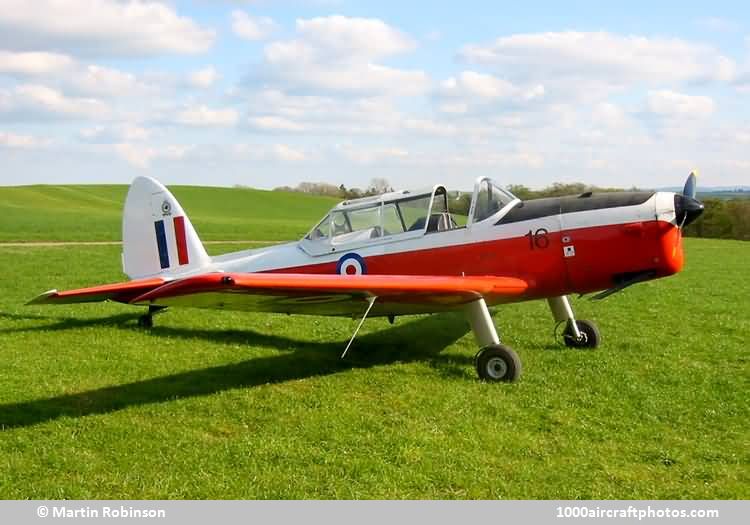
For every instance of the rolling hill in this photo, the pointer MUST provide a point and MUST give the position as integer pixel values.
(94, 212)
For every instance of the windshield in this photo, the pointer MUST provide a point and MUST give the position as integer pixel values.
(356, 225)
(491, 198)
(321, 230)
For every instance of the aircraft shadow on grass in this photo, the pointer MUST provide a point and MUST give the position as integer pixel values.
(419, 340)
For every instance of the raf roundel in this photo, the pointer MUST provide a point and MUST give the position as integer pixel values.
(351, 264)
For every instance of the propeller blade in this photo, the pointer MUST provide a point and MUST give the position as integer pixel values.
(690, 185)
(687, 208)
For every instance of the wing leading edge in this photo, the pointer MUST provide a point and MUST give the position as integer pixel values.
(317, 294)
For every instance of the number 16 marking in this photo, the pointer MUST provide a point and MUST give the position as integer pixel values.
(538, 239)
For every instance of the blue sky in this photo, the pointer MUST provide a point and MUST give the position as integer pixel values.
(274, 92)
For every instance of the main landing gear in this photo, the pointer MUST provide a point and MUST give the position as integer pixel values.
(497, 362)
(147, 320)
(494, 362)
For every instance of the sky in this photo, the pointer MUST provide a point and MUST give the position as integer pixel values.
(266, 93)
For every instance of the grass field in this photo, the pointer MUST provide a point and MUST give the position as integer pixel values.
(94, 213)
(230, 405)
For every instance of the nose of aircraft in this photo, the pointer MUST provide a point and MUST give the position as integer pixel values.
(687, 209)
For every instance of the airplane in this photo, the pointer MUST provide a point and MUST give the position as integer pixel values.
(406, 252)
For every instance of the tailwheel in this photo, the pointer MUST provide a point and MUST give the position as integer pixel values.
(146, 321)
(498, 363)
(590, 337)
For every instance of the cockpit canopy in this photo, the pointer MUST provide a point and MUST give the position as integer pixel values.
(405, 214)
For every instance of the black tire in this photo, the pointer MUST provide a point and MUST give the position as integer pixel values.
(589, 332)
(146, 321)
(498, 363)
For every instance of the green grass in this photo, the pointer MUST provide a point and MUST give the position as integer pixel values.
(230, 405)
(94, 213)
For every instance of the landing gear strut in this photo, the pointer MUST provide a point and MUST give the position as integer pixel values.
(577, 334)
(147, 319)
(495, 361)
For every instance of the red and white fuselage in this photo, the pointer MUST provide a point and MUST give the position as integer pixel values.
(559, 245)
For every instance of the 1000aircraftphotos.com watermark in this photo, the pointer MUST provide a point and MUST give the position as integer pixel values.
(121, 511)
(633, 512)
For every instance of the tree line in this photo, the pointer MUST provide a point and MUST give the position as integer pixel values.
(377, 186)
(724, 218)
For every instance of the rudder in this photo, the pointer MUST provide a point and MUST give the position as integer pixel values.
(158, 239)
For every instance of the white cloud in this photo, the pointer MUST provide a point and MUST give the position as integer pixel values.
(141, 156)
(100, 27)
(252, 27)
(454, 107)
(601, 56)
(364, 155)
(523, 159)
(425, 126)
(742, 165)
(357, 79)
(203, 78)
(33, 101)
(34, 63)
(115, 134)
(273, 110)
(287, 153)
(12, 140)
(337, 54)
(672, 104)
(275, 123)
(104, 81)
(344, 37)
(610, 115)
(205, 116)
(63, 70)
(275, 152)
(473, 87)
(468, 159)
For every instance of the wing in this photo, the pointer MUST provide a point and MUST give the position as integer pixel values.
(323, 294)
(122, 292)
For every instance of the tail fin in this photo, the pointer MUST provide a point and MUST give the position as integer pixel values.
(157, 237)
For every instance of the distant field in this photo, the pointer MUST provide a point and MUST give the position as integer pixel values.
(94, 213)
(230, 405)
(725, 195)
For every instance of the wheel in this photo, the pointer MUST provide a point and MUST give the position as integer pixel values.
(498, 363)
(146, 321)
(590, 337)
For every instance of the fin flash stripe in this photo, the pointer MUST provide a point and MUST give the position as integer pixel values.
(161, 244)
(179, 235)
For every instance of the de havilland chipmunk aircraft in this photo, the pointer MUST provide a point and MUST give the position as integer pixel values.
(405, 253)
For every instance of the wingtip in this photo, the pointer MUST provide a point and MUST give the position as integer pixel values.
(43, 298)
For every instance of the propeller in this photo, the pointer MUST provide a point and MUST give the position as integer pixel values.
(690, 185)
(687, 208)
